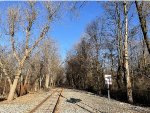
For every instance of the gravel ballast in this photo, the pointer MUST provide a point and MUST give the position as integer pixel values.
(24, 104)
(75, 101)
(71, 101)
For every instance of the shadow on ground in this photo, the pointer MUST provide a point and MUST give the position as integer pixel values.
(80, 104)
(73, 100)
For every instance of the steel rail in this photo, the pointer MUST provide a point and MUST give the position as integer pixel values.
(57, 103)
(41, 103)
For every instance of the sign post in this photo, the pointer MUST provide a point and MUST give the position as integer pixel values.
(108, 81)
(108, 91)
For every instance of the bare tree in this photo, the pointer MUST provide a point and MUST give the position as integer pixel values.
(51, 61)
(5, 65)
(126, 57)
(114, 18)
(31, 16)
(95, 33)
(142, 14)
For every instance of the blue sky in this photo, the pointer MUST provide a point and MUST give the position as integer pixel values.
(67, 31)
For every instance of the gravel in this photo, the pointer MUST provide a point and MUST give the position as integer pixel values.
(71, 101)
(23, 104)
(75, 101)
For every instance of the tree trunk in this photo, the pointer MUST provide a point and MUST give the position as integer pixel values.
(12, 89)
(26, 81)
(47, 81)
(9, 81)
(41, 79)
(112, 65)
(14, 85)
(51, 81)
(126, 63)
(142, 19)
(40, 82)
(119, 48)
(36, 86)
(4, 90)
(144, 55)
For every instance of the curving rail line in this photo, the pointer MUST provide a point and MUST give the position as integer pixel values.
(56, 104)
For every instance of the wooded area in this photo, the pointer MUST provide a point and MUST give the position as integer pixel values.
(24, 68)
(111, 44)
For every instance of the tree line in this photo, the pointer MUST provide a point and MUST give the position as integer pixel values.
(114, 44)
(30, 59)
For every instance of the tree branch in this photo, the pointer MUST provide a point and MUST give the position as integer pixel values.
(5, 72)
(43, 33)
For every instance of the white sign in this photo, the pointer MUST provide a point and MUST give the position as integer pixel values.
(108, 79)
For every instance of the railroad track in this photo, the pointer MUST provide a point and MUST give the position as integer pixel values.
(49, 104)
